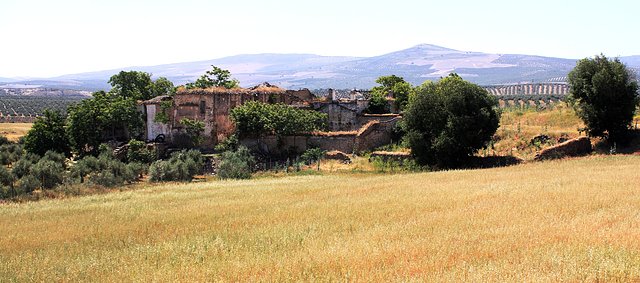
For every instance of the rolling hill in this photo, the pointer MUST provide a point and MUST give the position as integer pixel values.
(415, 64)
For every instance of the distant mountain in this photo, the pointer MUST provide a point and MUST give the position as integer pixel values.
(416, 64)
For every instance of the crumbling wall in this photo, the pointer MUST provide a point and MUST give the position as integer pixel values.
(574, 147)
(340, 117)
(154, 129)
(375, 134)
(371, 136)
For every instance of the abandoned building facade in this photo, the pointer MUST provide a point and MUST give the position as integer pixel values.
(349, 128)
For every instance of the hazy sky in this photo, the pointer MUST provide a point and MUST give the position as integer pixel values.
(49, 38)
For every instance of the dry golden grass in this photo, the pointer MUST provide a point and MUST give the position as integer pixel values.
(517, 128)
(13, 131)
(571, 220)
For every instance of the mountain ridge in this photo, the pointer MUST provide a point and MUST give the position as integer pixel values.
(416, 64)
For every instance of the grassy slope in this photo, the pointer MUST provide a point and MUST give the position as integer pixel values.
(563, 220)
(13, 131)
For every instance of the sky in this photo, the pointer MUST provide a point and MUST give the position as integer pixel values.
(44, 38)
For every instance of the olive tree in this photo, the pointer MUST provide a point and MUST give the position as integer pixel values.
(448, 121)
(604, 94)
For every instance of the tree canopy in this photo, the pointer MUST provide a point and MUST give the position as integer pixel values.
(604, 94)
(215, 77)
(260, 118)
(392, 85)
(139, 85)
(105, 116)
(48, 133)
(448, 121)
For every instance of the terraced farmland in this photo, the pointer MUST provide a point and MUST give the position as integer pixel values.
(25, 109)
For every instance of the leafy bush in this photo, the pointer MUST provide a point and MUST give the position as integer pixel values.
(105, 171)
(448, 121)
(55, 157)
(84, 167)
(229, 144)
(6, 178)
(22, 167)
(193, 129)
(4, 140)
(27, 184)
(182, 166)
(48, 172)
(259, 118)
(236, 164)
(312, 155)
(138, 152)
(10, 153)
(111, 173)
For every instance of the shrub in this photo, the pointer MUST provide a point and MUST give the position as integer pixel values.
(105, 171)
(236, 164)
(448, 121)
(111, 172)
(182, 166)
(4, 140)
(55, 157)
(48, 172)
(84, 167)
(6, 178)
(312, 155)
(138, 152)
(22, 167)
(10, 153)
(27, 184)
(229, 144)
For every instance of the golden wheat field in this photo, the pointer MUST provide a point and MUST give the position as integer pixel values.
(574, 220)
(13, 131)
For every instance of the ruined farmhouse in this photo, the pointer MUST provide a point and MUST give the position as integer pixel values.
(350, 129)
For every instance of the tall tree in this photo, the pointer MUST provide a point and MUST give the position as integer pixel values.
(139, 85)
(132, 84)
(604, 93)
(48, 133)
(216, 77)
(101, 118)
(448, 121)
(395, 87)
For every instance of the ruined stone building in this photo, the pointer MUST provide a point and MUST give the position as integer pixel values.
(213, 107)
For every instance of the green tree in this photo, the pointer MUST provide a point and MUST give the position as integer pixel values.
(257, 118)
(216, 77)
(448, 121)
(48, 133)
(604, 94)
(163, 86)
(101, 118)
(139, 85)
(132, 84)
(378, 103)
(392, 85)
(194, 130)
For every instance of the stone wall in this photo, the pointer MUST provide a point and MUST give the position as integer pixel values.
(372, 135)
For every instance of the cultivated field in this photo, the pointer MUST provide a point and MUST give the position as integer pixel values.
(13, 131)
(571, 220)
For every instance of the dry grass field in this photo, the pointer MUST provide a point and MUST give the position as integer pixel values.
(569, 220)
(13, 131)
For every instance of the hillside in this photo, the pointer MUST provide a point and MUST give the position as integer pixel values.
(416, 64)
(541, 222)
